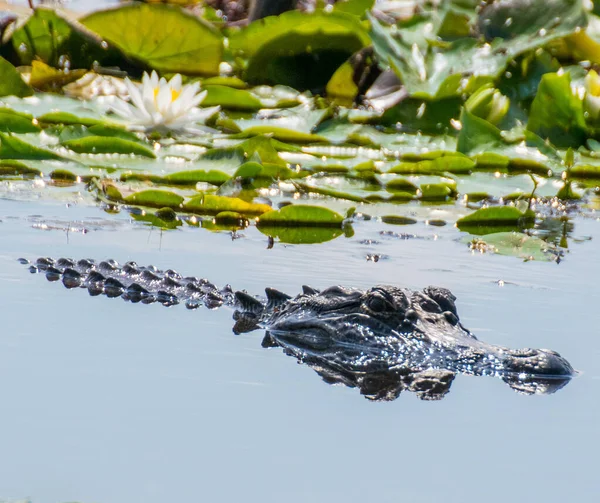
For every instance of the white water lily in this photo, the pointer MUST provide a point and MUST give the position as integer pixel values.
(161, 105)
(591, 102)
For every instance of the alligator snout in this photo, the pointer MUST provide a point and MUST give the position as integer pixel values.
(539, 362)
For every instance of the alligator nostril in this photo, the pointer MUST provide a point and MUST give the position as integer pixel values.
(411, 315)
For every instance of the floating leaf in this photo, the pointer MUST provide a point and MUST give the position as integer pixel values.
(165, 218)
(11, 83)
(301, 234)
(338, 194)
(12, 147)
(16, 168)
(231, 99)
(449, 164)
(397, 220)
(67, 118)
(107, 145)
(16, 122)
(207, 204)
(183, 178)
(166, 38)
(514, 244)
(302, 215)
(484, 220)
(401, 185)
(436, 192)
(290, 124)
(155, 199)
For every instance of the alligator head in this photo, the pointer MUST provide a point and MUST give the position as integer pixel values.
(347, 334)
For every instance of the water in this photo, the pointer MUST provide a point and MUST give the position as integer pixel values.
(112, 402)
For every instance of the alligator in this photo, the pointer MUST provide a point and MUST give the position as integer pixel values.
(382, 341)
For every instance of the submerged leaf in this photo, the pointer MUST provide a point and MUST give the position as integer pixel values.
(514, 244)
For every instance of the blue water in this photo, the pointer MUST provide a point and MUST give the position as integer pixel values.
(106, 401)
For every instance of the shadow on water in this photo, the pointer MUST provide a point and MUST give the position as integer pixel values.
(382, 341)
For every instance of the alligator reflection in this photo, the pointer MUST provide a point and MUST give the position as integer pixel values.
(383, 341)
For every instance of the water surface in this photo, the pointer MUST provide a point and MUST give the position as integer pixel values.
(112, 402)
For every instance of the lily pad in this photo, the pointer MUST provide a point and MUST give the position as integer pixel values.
(230, 98)
(11, 83)
(207, 204)
(155, 199)
(281, 48)
(12, 147)
(556, 113)
(17, 122)
(165, 37)
(9, 168)
(301, 234)
(514, 244)
(60, 42)
(301, 215)
(107, 145)
(488, 220)
(180, 178)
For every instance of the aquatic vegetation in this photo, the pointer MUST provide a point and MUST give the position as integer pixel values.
(469, 109)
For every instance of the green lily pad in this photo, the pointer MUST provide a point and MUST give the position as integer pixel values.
(449, 164)
(326, 191)
(207, 204)
(514, 244)
(180, 178)
(107, 145)
(290, 124)
(436, 192)
(59, 42)
(155, 199)
(68, 119)
(165, 37)
(397, 220)
(488, 220)
(165, 218)
(12, 147)
(230, 98)
(401, 185)
(301, 234)
(11, 83)
(301, 215)
(17, 122)
(10, 167)
(281, 48)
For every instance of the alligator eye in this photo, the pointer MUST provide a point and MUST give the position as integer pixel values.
(377, 304)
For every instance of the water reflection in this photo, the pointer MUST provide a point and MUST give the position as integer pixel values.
(382, 341)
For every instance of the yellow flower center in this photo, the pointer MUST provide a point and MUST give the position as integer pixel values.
(592, 83)
(174, 93)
